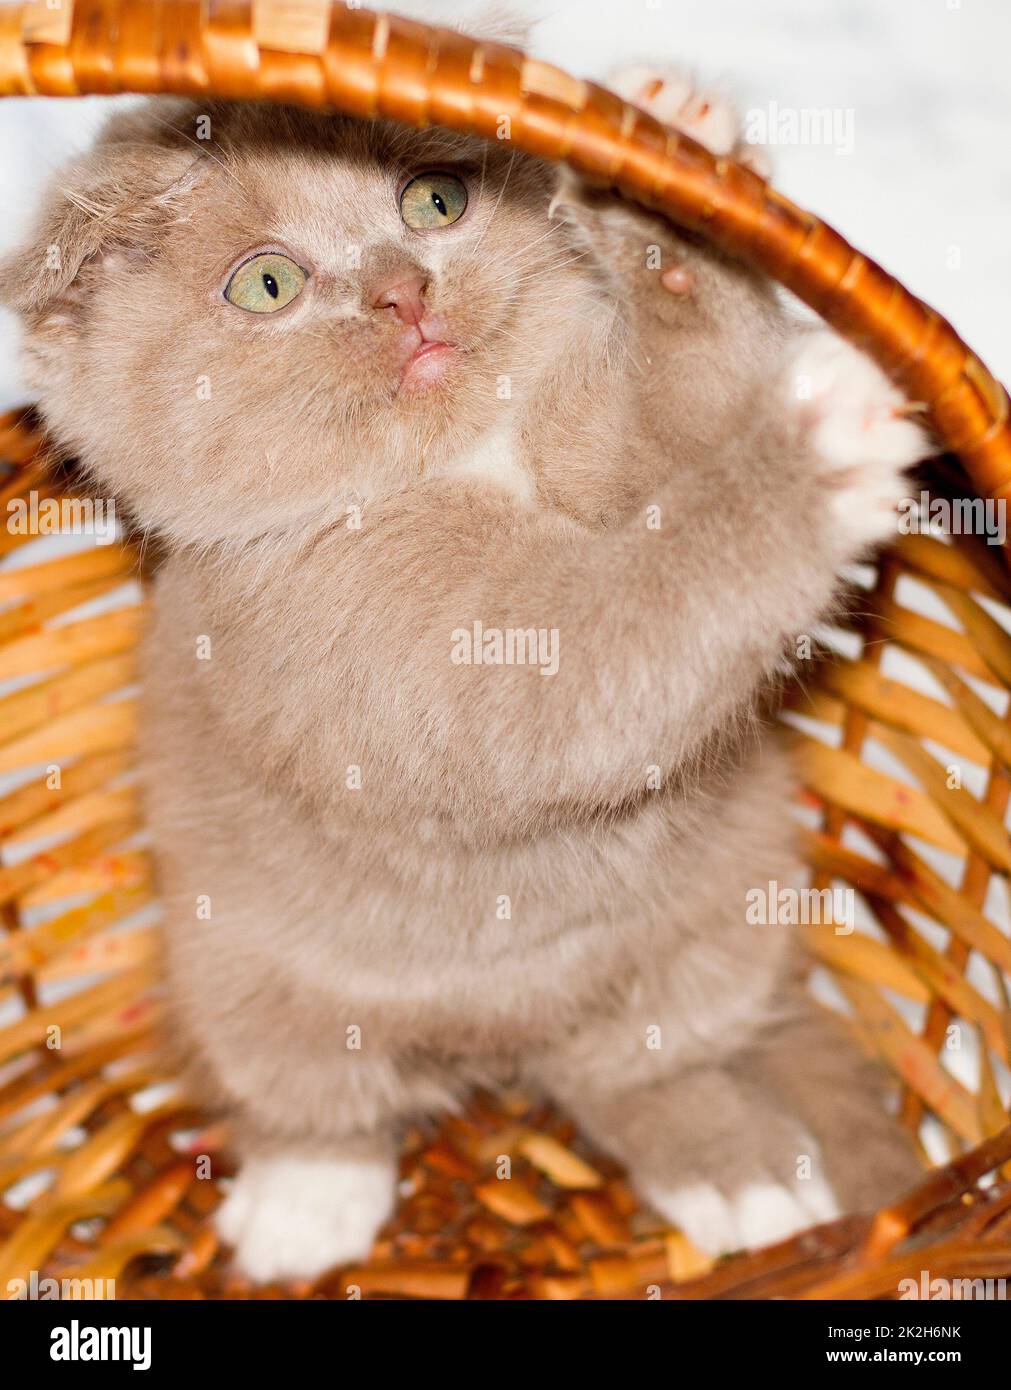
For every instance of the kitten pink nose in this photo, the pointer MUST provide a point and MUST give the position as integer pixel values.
(405, 296)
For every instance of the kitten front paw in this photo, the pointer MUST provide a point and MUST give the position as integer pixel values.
(291, 1217)
(758, 1213)
(672, 97)
(862, 434)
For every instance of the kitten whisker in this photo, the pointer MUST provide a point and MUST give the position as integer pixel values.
(498, 200)
(555, 227)
(511, 282)
(546, 270)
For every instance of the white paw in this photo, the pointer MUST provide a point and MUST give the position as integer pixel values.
(671, 97)
(862, 434)
(757, 1214)
(293, 1218)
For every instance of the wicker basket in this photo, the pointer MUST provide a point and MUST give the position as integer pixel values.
(98, 1165)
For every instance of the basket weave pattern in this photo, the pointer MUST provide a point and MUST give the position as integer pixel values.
(125, 1195)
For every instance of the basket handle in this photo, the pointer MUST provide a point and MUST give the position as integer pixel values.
(331, 54)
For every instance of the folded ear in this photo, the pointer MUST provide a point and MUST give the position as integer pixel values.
(110, 201)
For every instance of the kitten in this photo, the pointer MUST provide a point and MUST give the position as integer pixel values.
(394, 402)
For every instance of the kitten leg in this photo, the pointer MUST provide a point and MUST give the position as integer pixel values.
(665, 619)
(788, 1130)
(812, 1063)
(292, 1214)
(711, 1152)
(862, 433)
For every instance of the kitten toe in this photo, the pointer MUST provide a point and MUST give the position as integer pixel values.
(293, 1218)
(818, 1199)
(710, 120)
(672, 98)
(759, 1213)
(768, 1212)
(700, 1210)
(862, 434)
(661, 92)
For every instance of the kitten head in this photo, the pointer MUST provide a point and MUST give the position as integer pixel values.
(235, 315)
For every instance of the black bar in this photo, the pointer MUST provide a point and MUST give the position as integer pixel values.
(311, 1340)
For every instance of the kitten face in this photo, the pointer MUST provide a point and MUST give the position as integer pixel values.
(288, 313)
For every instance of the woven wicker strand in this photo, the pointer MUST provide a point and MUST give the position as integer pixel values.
(319, 54)
(127, 1191)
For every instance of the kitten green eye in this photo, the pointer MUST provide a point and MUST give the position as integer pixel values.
(265, 284)
(433, 200)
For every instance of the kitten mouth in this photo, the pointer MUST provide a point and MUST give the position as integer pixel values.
(427, 364)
